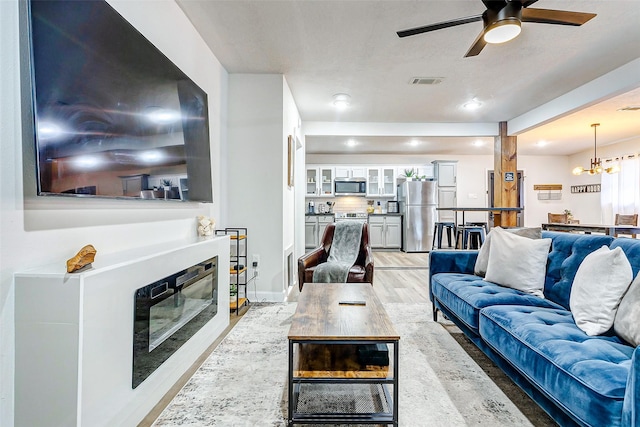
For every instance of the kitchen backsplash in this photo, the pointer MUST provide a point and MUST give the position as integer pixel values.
(348, 204)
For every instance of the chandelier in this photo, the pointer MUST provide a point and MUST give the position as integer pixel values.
(596, 162)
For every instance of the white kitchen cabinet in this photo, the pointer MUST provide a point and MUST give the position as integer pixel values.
(376, 231)
(393, 232)
(447, 198)
(425, 170)
(314, 227)
(446, 173)
(446, 176)
(350, 172)
(323, 221)
(385, 231)
(319, 181)
(381, 182)
(311, 232)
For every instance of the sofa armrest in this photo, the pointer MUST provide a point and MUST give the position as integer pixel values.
(631, 404)
(448, 261)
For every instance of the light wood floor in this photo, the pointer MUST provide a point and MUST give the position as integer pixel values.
(398, 277)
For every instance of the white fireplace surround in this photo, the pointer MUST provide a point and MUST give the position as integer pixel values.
(74, 335)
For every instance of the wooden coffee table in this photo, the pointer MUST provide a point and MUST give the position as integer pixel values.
(329, 341)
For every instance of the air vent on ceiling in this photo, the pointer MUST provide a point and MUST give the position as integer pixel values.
(426, 80)
(630, 108)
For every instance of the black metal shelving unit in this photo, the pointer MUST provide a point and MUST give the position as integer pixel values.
(238, 267)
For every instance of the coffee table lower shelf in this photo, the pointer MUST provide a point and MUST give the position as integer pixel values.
(327, 385)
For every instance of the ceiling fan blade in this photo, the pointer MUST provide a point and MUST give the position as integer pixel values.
(477, 45)
(438, 26)
(561, 17)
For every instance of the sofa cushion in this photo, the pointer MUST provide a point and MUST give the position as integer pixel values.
(480, 268)
(518, 262)
(585, 375)
(626, 322)
(466, 294)
(631, 248)
(567, 252)
(600, 282)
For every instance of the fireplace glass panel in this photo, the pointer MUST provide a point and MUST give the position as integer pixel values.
(169, 312)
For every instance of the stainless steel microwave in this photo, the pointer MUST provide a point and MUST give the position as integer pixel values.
(350, 187)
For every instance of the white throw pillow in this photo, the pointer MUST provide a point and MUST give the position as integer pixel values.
(598, 286)
(518, 262)
(626, 323)
(482, 261)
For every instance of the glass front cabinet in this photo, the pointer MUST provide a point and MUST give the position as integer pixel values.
(381, 182)
(319, 181)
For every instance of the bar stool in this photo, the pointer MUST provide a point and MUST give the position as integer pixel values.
(470, 236)
(438, 230)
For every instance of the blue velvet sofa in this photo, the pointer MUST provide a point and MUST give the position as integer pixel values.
(577, 379)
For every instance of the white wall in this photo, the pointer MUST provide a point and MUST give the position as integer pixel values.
(291, 220)
(261, 116)
(46, 231)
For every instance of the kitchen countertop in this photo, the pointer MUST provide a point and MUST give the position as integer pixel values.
(385, 214)
(318, 214)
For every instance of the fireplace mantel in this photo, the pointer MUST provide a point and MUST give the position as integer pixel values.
(74, 335)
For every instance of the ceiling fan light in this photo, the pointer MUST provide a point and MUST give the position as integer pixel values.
(502, 31)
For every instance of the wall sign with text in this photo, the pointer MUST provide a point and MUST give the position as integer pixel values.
(591, 188)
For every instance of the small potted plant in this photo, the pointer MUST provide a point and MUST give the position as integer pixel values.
(410, 174)
(569, 214)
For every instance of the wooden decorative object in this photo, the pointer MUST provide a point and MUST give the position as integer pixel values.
(547, 187)
(84, 257)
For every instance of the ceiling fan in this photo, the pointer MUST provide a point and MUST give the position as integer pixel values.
(502, 21)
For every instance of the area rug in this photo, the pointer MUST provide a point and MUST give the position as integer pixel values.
(244, 381)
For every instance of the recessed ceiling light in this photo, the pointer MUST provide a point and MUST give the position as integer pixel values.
(478, 143)
(474, 104)
(414, 143)
(351, 143)
(341, 101)
(541, 143)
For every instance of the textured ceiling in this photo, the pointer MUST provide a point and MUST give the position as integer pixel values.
(329, 47)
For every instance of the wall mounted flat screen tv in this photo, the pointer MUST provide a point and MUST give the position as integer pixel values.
(113, 116)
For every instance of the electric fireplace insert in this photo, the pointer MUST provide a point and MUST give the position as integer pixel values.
(168, 312)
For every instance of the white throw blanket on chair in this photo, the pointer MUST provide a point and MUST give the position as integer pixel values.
(342, 255)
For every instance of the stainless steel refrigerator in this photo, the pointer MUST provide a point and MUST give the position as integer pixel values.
(418, 202)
